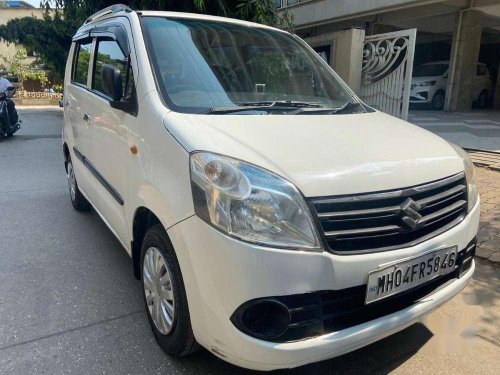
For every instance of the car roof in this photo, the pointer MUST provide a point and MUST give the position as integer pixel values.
(205, 17)
(121, 10)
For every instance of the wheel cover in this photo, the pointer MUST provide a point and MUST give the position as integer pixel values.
(71, 182)
(159, 290)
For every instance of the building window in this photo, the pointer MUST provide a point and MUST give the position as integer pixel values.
(285, 3)
(324, 52)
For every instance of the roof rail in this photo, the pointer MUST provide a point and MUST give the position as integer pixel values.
(111, 9)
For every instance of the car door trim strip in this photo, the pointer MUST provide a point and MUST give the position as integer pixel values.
(111, 190)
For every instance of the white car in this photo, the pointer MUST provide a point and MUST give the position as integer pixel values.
(428, 85)
(273, 218)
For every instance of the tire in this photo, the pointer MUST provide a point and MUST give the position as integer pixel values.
(176, 340)
(438, 101)
(482, 100)
(77, 199)
(11, 133)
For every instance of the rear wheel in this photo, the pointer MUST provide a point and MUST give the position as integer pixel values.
(438, 101)
(77, 199)
(164, 294)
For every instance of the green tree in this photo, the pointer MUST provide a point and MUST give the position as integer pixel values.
(51, 36)
(18, 67)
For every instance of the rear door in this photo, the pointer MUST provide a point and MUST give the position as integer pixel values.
(76, 107)
(110, 154)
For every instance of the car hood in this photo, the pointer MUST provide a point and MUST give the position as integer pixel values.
(324, 154)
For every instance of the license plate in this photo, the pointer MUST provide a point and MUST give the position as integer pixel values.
(408, 273)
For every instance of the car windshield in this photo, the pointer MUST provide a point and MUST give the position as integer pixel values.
(431, 70)
(201, 65)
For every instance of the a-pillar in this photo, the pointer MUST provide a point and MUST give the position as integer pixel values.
(463, 61)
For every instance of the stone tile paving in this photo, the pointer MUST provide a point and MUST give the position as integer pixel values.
(478, 129)
(488, 183)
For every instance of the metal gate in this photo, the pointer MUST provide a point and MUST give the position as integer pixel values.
(386, 71)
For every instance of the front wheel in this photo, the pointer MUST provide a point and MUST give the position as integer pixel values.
(164, 294)
(438, 101)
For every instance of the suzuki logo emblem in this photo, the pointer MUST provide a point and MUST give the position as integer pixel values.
(409, 210)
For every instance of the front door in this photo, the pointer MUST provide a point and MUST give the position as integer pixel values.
(110, 154)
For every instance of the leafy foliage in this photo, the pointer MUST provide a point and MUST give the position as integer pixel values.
(51, 36)
(17, 66)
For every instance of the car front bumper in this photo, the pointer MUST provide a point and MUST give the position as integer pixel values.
(221, 273)
(420, 95)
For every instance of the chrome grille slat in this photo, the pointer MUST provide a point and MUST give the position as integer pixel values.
(453, 191)
(382, 210)
(393, 193)
(374, 222)
(442, 212)
(387, 228)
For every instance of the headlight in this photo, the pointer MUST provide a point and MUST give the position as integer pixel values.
(470, 176)
(426, 83)
(250, 203)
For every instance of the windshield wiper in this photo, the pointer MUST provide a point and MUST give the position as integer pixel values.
(290, 108)
(223, 110)
(274, 106)
(282, 103)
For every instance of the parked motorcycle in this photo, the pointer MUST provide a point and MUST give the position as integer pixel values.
(9, 119)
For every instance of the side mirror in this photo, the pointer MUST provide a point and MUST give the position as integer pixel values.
(112, 81)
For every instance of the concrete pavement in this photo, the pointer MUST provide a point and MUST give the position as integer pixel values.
(69, 302)
(488, 184)
(478, 129)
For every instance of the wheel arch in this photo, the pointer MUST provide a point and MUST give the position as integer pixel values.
(66, 155)
(144, 219)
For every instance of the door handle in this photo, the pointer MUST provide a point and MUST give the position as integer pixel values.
(86, 117)
(67, 103)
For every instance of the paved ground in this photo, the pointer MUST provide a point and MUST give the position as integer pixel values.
(70, 304)
(489, 232)
(478, 129)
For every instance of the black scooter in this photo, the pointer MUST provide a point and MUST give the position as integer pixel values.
(9, 120)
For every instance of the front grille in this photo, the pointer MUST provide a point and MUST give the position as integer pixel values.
(390, 219)
(317, 313)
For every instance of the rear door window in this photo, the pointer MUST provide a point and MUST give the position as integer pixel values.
(81, 67)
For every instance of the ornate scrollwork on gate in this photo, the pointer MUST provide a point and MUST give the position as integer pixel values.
(382, 57)
(386, 71)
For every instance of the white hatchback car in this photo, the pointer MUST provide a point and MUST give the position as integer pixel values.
(428, 85)
(272, 217)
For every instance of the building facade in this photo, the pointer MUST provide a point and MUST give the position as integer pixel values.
(462, 32)
(15, 9)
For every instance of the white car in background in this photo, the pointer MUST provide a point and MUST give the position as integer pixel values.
(428, 84)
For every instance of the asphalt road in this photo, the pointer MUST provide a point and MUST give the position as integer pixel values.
(69, 302)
